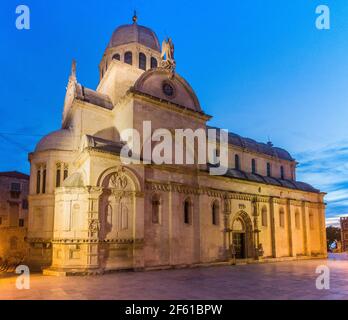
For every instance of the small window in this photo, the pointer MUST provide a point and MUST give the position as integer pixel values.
(236, 162)
(215, 213)
(25, 204)
(154, 63)
(15, 187)
(128, 58)
(282, 176)
(264, 217)
(187, 212)
(156, 209)
(281, 218)
(38, 181)
(44, 181)
(66, 172)
(269, 171)
(253, 166)
(58, 174)
(21, 222)
(142, 61)
(116, 57)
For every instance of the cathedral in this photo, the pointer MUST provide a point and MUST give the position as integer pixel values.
(90, 212)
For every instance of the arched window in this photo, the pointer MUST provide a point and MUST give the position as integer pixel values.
(116, 56)
(156, 203)
(44, 180)
(142, 61)
(282, 176)
(154, 63)
(264, 216)
(236, 162)
(281, 218)
(38, 180)
(187, 211)
(128, 57)
(58, 173)
(253, 166)
(215, 213)
(269, 169)
(297, 220)
(66, 171)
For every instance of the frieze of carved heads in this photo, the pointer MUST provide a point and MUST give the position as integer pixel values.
(87, 241)
(119, 180)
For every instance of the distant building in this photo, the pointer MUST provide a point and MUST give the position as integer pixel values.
(14, 187)
(344, 233)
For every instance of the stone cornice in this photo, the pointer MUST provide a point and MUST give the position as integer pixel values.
(88, 241)
(168, 105)
(223, 194)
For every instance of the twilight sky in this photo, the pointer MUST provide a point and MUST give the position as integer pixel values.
(260, 67)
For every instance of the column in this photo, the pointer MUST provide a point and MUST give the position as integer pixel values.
(93, 227)
(227, 231)
(138, 231)
(292, 252)
(305, 223)
(273, 238)
(322, 229)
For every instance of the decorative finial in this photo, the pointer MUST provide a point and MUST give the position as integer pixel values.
(135, 17)
(269, 142)
(73, 70)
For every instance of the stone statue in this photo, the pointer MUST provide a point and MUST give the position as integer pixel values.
(167, 55)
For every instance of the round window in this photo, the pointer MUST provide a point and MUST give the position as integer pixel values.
(168, 89)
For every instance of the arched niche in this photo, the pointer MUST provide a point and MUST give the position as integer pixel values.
(117, 202)
(121, 178)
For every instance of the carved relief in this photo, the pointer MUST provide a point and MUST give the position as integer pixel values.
(94, 227)
(119, 180)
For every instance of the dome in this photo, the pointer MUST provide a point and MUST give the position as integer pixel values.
(134, 33)
(58, 140)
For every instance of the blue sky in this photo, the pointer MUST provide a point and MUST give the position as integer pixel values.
(260, 67)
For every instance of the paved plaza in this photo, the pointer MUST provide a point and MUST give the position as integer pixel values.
(282, 280)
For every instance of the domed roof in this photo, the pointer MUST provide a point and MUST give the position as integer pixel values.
(58, 140)
(134, 33)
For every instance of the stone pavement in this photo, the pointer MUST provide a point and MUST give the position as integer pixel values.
(282, 280)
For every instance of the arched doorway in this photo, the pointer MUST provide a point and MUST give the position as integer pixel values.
(241, 236)
(238, 238)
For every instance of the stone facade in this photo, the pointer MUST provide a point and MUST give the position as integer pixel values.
(91, 213)
(14, 188)
(344, 233)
